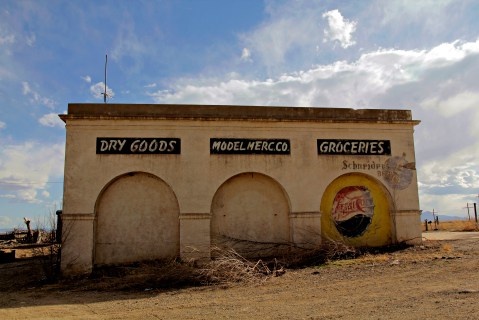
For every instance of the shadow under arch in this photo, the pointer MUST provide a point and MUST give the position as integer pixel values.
(356, 210)
(250, 213)
(136, 218)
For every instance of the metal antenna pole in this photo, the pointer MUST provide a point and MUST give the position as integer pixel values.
(104, 94)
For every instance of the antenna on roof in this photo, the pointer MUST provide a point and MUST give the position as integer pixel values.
(105, 94)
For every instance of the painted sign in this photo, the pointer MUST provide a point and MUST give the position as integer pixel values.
(399, 172)
(353, 147)
(353, 208)
(138, 146)
(396, 171)
(249, 146)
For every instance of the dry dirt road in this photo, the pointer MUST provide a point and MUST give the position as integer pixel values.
(439, 280)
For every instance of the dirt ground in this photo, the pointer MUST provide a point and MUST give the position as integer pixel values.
(438, 280)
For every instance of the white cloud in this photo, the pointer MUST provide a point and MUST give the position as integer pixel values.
(376, 79)
(98, 89)
(340, 29)
(3, 125)
(26, 88)
(151, 85)
(8, 39)
(26, 168)
(30, 40)
(35, 97)
(289, 33)
(129, 48)
(439, 85)
(87, 79)
(454, 104)
(430, 13)
(447, 204)
(8, 196)
(51, 120)
(245, 55)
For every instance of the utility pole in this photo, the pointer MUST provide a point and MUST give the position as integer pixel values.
(435, 219)
(468, 213)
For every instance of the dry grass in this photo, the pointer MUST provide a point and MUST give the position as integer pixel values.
(454, 225)
(447, 247)
(229, 267)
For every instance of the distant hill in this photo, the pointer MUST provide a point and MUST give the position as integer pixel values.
(428, 215)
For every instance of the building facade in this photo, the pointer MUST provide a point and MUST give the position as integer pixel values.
(147, 182)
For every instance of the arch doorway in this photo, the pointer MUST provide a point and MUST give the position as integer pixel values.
(250, 213)
(136, 219)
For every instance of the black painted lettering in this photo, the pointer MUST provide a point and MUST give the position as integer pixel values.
(381, 148)
(271, 146)
(339, 147)
(362, 147)
(163, 146)
(216, 145)
(346, 148)
(121, 143)
(153, 146)
(372, 147)
(323, 147)
(104, 145)
(332, 147)
(134, 146)
(171, 145)
(143, 146)
(354, 147)
(112, 145)
(264, 146)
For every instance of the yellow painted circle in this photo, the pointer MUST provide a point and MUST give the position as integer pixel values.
(377, 232)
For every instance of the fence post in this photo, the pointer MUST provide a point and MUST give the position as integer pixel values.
(58, 234)
(475, 211)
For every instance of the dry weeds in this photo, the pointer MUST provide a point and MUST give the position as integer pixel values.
(454, 225)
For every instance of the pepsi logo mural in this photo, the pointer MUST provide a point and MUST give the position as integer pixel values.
(353, 209)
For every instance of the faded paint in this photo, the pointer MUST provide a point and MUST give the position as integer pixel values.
(356, 210)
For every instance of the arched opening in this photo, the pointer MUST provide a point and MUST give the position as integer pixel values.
(250, 213)
(355, 209)
(136, 219)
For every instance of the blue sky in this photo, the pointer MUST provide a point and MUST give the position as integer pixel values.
(406, 54)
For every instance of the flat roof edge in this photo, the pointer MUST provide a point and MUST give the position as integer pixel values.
(233, 112)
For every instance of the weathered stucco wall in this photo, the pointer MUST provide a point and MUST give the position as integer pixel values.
(141, 205)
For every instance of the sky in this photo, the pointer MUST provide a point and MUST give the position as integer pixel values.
(397, 54)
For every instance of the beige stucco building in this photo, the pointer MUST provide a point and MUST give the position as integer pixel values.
(154, 181)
